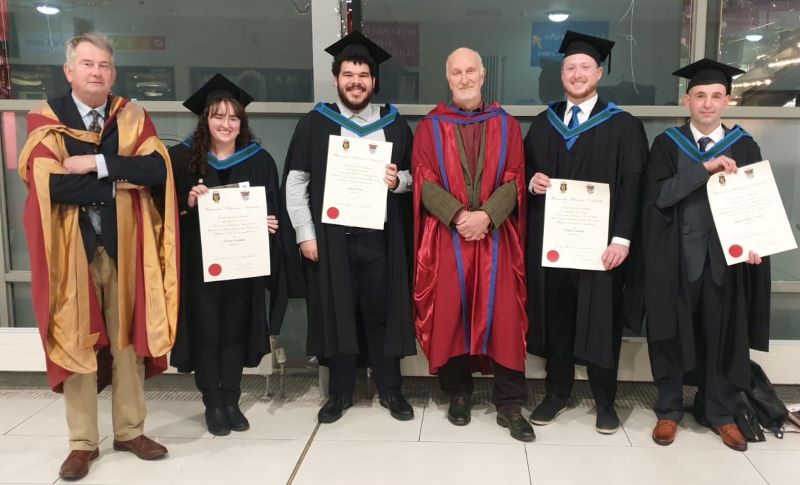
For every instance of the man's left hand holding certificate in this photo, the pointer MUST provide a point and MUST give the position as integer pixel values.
(355, 191)
(233, 233)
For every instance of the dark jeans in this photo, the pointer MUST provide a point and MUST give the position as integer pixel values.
(369, 278)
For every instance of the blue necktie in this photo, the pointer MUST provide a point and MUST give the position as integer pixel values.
(573, 123)
(703, 143)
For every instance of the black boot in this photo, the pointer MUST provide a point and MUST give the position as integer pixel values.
(217, 421)
(236, 418)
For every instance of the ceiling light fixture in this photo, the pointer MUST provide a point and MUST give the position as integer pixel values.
(47, 9)
(558, 16)
(753, 37)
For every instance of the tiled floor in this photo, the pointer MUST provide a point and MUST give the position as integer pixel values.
(285, 444)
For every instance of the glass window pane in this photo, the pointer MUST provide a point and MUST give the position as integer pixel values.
(23, 310)
(165, 49)
(518, 43)
(761, 37)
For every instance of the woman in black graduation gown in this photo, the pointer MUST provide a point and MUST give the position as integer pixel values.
(223, 325)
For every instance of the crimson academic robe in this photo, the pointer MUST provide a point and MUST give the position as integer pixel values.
(469, 297)
(746, 287)
(613, 152)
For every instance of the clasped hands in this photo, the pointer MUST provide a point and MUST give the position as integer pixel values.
(472, 225)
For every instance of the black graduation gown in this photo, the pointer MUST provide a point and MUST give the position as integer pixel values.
(259, 170)
(613, 152)
(746, 288)
(332, 328)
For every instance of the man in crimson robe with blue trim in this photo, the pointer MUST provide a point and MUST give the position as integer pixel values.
(702, 315)
(469, 231)
(575, 315)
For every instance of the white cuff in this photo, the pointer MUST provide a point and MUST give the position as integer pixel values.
(621, 241)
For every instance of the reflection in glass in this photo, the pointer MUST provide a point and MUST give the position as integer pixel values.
(159, 43)
(519, 43)
(762, 37)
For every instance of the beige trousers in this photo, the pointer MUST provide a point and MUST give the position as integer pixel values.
(127, 374)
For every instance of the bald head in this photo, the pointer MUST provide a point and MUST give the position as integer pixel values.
(463, 53)
(465, 75)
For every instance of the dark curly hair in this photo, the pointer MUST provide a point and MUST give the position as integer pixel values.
(201, 139)
(355, 58)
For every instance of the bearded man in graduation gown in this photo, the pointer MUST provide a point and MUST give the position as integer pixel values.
(469, 231)
(101, 222)
(575, 314)
(357, 281)
(702, 315)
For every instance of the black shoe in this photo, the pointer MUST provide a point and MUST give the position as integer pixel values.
(332, 410)
(459, 411)
(397, 405)
(548, 410)
(607, 420)
(217, 422)
(517, 424)
(236, 418)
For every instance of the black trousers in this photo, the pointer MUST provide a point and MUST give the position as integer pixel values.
(510, 391)
(560, 316)
(218, 338)
(369, 277)
(720, 396)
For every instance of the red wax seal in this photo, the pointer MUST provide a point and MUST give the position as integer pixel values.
(214, 269)
(735, 250)
(552, 255)
(333, 212)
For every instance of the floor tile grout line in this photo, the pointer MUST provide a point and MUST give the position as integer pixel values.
(756, 468)
(29, 417)
(528, 464)
(422, 418)
(303, 455)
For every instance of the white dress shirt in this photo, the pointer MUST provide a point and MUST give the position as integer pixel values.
(716, 135)
(100, 160)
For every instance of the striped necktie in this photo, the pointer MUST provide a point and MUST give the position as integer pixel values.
(703, 143)
(573, 123)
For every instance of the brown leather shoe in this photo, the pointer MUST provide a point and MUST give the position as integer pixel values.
(141, 446)
(731, 436)
(76, 466)
(664, 432)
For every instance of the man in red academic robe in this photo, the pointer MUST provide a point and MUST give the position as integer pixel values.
(469, 227)
(101, 225)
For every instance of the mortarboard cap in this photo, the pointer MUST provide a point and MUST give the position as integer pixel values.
(217, 87)
(595, 47)
(357, 45)
(706, 71)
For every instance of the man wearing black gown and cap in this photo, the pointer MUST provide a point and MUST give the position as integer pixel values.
(701, 314)
(574, 314)
(357, 281)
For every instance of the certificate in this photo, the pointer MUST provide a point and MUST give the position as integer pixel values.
(748, 213)
(355, 193)
(575, 224)
(233, 233)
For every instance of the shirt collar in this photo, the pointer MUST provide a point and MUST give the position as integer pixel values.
(84, 109)
(716, 135)
(366, 115)
(586, 107)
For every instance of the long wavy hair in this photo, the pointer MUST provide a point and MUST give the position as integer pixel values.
(201, 139)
